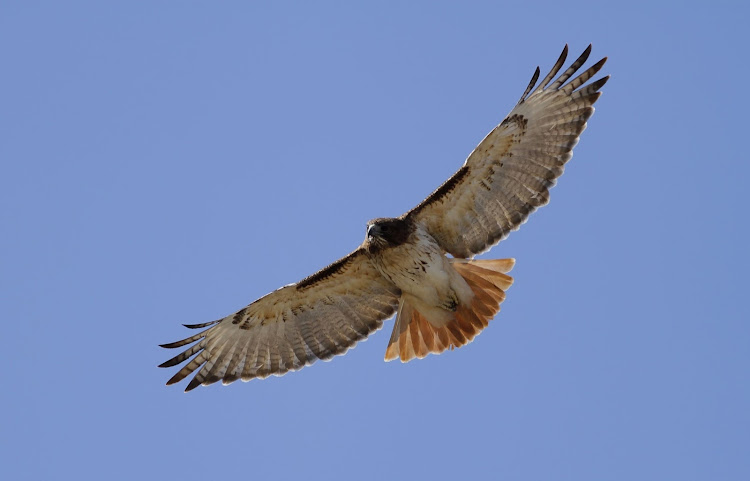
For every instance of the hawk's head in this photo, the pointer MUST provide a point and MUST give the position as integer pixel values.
(387, 232)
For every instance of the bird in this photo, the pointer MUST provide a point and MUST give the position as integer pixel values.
(421, 265)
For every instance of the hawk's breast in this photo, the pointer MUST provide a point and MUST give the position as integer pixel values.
(420, 269)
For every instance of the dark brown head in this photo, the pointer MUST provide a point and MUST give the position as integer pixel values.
(387, 232)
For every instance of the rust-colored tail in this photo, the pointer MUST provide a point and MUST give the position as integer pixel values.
(414, 336)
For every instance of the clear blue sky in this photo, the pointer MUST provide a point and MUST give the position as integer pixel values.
(170, 162)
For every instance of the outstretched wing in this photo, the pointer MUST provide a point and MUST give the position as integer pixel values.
(511, 171)
(317, 318)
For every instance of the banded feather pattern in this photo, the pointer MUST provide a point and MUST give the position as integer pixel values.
(509, 174)
(291, 327)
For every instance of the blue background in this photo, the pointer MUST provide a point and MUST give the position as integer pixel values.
(169, 162)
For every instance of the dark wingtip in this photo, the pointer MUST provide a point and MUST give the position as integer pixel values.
(202, 325)
(584, 56)
(600, 83)
(556, 68)
(586, 53)
(598, 65)
(563, 56)
(171, 362)
(531, 85)
(176, 378)
(192, 385)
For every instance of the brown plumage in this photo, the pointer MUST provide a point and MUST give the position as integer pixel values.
(441, 302)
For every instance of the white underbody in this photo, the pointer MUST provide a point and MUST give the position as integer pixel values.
(425, 276)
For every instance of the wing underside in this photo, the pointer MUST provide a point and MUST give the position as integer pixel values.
(509, 174)
(292, 327)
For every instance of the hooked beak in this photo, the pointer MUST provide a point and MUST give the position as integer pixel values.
(373, 231)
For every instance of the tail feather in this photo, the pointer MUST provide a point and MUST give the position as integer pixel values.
(419, 340)
(414, 336)
(399, 330)
(431, 341)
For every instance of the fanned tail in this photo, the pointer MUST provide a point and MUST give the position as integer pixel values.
(414, 336)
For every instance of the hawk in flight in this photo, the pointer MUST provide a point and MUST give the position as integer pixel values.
(401, 267)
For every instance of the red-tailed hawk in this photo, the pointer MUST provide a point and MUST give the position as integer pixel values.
(441, 302)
